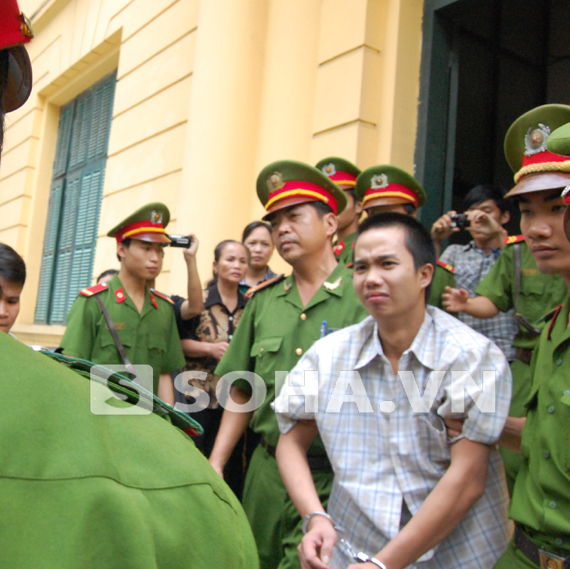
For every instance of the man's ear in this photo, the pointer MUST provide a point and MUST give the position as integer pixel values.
(357, 208)
(120, 250)
(426, 275)
(505, 217)
(330, 222)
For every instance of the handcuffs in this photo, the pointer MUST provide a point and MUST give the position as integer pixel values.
(359, 557)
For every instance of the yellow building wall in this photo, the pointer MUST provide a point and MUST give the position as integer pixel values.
(207, 94)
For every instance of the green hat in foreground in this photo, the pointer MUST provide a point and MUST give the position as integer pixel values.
(537, 166)
(388, 185)
(342, 172)
(287, 182)
(146, 224)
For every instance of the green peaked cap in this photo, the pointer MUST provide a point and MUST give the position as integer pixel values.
(287, 182)
(147, 224)
(342, 172)
(527, 153)
(386, 184)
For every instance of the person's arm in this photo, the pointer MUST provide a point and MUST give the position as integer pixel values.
(512, 433)
(196, 349)
(458, 300)
(194, 304)
(315, 549)
(166, 389)
(232, 427)
(441, 230)
(444, 508)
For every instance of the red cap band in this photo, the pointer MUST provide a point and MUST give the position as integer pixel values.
(541, 157)
(138, 229)
(294, 189)
(391, 191)
(343, 179)
(14, 29)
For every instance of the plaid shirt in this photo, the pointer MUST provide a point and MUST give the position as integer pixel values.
(386, 462)
(471, 264)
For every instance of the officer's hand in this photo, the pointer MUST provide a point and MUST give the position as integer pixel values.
(218, 349)
(454, 427)
(315, 549)
(442, 228)
(190, 252)
(455, 299)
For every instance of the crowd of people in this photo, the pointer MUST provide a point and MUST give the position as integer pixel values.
(389, 403)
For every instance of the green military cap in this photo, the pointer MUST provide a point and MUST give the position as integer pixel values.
(287, 182)
(342, 172)
(388, 185)
(146, 223)
(536, 166)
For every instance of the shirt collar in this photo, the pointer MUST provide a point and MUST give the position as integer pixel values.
(473, 245)
(213, 297)
(372, 346)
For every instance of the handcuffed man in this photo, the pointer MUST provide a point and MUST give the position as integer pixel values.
(403, 491)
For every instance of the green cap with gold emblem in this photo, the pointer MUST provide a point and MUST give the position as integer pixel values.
(146, 224)
(535, 163)
(287, 182)
(388, 185)
(342, 172)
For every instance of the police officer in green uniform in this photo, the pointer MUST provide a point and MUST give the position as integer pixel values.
(343, 173)
(284, 317)
(388, 188)
(79, 490)
(143, 319)
(531, 293)
(540, 504)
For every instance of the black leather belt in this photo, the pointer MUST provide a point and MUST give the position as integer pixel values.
(316, 462)
(524, 354)
(538, 556)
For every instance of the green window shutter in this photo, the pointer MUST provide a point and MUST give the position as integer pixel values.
(63, 139)
(80, 135)
(48, 256)
(64, 257)
(87, 225)
(75, 200)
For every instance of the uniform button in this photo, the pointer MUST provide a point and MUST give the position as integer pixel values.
(261, 350)
(303, 316)
(559, 541)
(553, 505)
(299, 351)
(546, 454)
(559, 362)
(231, 318)
(567, 392)
(230, 336)
(551, 409)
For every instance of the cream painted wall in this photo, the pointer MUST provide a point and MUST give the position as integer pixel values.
(207, 94)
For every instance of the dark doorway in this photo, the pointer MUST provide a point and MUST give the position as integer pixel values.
(484, 63)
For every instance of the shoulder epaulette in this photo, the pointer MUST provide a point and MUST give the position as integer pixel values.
(264, 284)
(94, 289)
(350, 265)
(446, 266)
(513, 239)
(552, 317)
(162, 295)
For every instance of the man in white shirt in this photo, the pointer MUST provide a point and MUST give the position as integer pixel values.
(403, 491)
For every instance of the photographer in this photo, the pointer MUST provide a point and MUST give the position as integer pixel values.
(486, 211)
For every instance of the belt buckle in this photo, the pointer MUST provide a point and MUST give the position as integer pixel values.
(549, 560)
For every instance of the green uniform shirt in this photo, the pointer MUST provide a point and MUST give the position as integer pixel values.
(149, 338)
(275, 330)
(79, 490)
(541, 499)
(441, 278)
(539, 293)
(345, 255)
